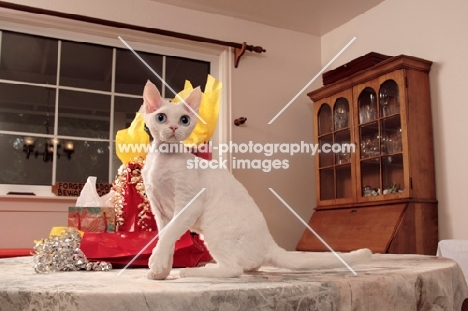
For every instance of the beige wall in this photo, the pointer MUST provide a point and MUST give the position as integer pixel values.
(434, 30)
(260, 87)
(23, 220)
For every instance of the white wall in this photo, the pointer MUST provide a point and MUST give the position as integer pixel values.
(261, 86)
(434, 30)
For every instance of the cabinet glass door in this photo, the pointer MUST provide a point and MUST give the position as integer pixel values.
(380, 135)
(325, 120)
(334, 138)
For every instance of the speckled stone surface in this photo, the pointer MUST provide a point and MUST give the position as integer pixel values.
(388, 282)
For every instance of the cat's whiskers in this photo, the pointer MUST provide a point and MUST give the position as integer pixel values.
(172, 136)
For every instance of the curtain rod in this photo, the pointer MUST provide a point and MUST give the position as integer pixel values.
(239, 48)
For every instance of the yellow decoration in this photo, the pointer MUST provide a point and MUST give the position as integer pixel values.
(134, 135)
(208, 111)
(57, 231)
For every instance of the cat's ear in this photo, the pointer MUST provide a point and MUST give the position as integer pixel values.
(193, 100)
(152, 99)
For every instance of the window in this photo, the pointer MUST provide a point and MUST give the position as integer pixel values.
(62, 102)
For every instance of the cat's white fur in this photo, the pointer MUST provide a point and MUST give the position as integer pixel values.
(234, 229)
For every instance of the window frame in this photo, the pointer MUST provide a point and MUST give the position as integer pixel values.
(220, 58)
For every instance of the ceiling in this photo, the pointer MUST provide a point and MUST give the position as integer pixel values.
(316, 17)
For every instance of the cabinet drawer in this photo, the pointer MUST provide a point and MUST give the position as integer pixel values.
(352, 228)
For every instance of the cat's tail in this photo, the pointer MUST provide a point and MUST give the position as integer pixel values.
(281, 258)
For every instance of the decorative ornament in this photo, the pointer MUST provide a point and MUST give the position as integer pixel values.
(129, 175)
(63, 253)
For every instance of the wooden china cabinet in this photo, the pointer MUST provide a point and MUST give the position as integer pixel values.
(381, 194)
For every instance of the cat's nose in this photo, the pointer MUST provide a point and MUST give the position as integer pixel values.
(173, 128)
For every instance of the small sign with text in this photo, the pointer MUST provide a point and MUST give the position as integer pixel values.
(73, 189)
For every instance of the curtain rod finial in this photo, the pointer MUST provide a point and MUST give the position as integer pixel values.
(239, 51)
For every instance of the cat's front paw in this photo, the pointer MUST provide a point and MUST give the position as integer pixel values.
(184, 273)
(153, 275)
(160, 266)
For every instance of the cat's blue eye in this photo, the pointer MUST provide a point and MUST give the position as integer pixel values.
(161, 117)
(184, 120)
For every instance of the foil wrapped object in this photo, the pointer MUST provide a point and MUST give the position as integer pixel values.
(63, 253)
(132, 208)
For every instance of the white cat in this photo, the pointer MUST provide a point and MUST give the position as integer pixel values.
(234, 229)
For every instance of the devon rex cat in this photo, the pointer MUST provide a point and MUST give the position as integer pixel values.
(233, 227)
